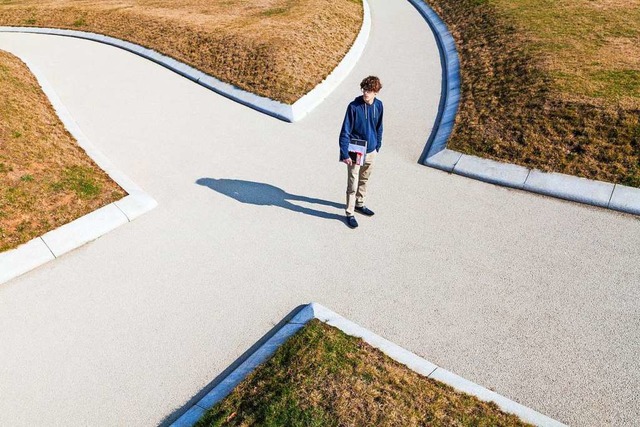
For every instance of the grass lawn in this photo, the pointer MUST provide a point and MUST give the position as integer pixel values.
(46, 180)
(323, 377)
(550, 84)
(280, 49)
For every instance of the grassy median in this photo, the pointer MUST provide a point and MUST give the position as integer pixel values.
(46, 179)
(550, 84)
(323, 377)
(280, 49)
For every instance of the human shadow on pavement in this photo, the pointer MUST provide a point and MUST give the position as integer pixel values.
(257, 193)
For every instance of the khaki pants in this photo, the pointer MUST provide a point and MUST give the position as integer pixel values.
(357, 178)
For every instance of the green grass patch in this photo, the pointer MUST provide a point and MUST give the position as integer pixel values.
(275, 11)
(323, 377)
(14, 195)
(80, 180)
(616, 84)
(281, 10)
(583, 42)
(80, 22)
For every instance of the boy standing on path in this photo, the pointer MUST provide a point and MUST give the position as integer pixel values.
(363, 120)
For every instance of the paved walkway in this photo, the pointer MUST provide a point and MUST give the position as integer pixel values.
(535, 298)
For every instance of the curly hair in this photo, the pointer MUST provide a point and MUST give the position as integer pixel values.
(371, 83)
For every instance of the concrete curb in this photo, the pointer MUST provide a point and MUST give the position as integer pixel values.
(625, 199)
(581, 190)
(65, 238)
(437, 155)
(286, 112)
(311, 100)
(487, 170)
(399, 354)
(450, 88)
(568, 187)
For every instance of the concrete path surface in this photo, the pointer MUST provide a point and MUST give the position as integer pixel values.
(532, 297)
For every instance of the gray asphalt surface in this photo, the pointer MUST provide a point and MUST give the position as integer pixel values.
(532, 297)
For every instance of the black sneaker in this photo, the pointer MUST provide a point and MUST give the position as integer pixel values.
(364, 210)
(351, 222)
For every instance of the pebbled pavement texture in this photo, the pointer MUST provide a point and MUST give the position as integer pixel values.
(532, 297)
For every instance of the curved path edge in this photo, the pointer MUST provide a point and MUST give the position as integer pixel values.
(450, 89)
(288, 328)
(74, 234)
(279, 110)
(437, 155)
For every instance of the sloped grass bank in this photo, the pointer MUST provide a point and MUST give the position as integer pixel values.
(280, 49)
(323, 377)
(46, 179)
(552, 85)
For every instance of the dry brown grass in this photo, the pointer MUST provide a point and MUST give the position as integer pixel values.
(280, 49)
(322, 377)
(552, 85)
(591, 49)
(46, 180)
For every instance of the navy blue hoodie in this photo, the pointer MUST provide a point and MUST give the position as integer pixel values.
(362, 121)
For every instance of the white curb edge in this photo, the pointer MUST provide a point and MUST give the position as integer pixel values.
(568, 187)
(67, 237)
(311, 100)
(397, 353)
(286, 112)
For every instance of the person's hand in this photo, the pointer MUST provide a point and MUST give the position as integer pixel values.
(348, 161)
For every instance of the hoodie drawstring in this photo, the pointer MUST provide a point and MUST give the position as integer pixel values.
(366, 111)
